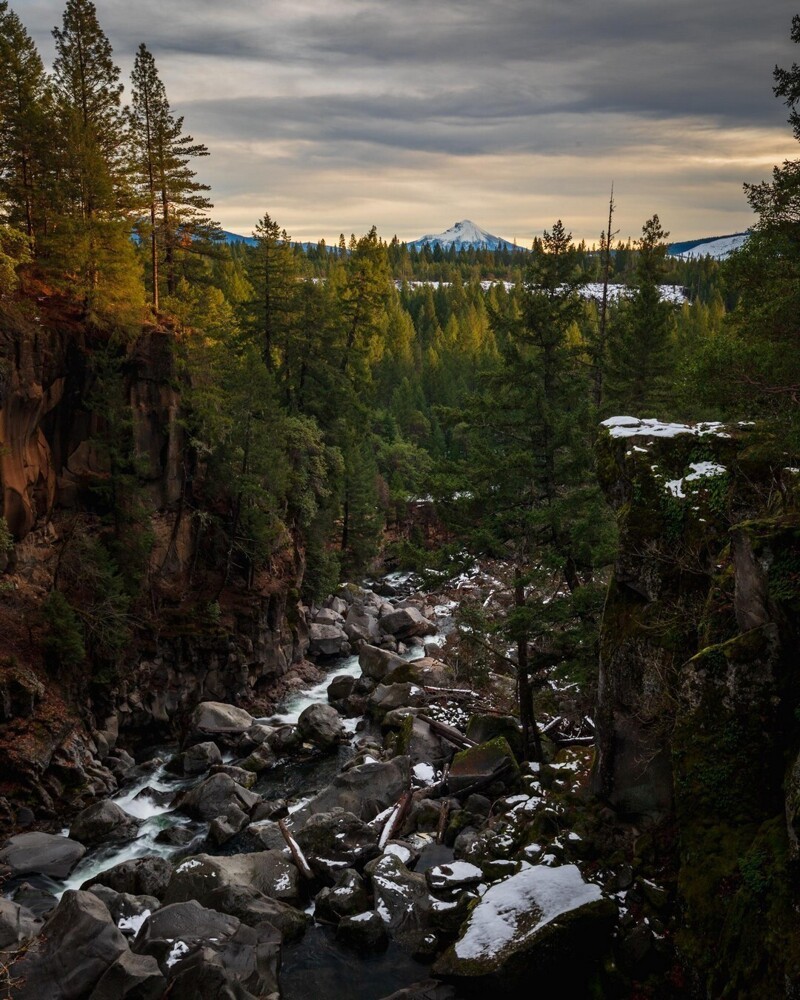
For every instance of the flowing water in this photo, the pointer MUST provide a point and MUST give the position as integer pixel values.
(316, 966)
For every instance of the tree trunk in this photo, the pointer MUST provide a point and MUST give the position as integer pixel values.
(531, 740)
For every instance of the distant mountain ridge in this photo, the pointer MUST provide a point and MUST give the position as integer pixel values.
(464, 235)
(718, 247)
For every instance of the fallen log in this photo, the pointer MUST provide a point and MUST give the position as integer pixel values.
(448, 732)
(296, 852)
(395, 820)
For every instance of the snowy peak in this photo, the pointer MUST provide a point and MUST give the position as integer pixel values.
(720, 247)
(464, 235)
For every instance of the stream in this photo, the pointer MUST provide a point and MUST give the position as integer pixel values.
(316, 965)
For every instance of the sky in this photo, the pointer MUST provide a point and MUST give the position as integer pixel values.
(336, 115)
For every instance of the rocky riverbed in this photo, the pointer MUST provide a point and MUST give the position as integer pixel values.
(377, 834)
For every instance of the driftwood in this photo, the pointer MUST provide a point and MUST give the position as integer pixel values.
(395, 820)
(294, 847)
(448, 732)
(443, 817)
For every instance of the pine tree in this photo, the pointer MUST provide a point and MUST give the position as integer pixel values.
(641, 361)
(93, 197)
(529, 470)
(25, 104)
(175, 201)
(271, 312)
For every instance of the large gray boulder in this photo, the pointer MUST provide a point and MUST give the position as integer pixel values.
(539, 919)
(101, 823)
(215, 797)
(387, 697)
(322, 725)
(145, 876)
(345, 898)
(201, 757)
(78, 943)
(377, 663)
(268, 872)
(217, 718)
(326, 640)
(131, 977)
(335, 840)
(406, 623)
(17, 925)
(365, 790)
(401, 899)
(207, 954)
(362, 626)
(253, 907)
(42, 853)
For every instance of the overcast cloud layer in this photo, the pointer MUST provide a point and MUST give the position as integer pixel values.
(334, 115)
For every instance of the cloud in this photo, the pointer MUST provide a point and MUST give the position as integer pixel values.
(370, 111)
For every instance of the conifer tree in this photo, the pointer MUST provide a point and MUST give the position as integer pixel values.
(93, 197)
(175, 201)
(273, 273)
(642, 349)
(25, 104)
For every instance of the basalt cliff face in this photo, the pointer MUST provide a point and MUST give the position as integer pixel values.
(192, 640)
(699, 706)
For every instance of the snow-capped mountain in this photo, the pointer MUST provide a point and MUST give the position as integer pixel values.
(464, 235)
(719, 247)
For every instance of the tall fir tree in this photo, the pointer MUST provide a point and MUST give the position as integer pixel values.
(94, 195)
(25, 106)
(641, 349)
(271, 312)
(174, 199)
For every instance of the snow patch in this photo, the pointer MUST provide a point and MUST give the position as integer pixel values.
(502, 917)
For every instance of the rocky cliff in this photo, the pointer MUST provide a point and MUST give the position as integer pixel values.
(699, 705)
(191, 638)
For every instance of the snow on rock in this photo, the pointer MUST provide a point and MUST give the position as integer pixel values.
(700, 470)
(619, 427)
(512, 912)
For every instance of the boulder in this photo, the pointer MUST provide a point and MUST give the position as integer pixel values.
(340, 688)
(360, 626)
(326, 640)
(453, 877)
(261, 759)
(338, 605)
(215, 717)
(268, 872)
(224, 828)
(103, 822)
(215, 796)
(376, 662)
(17, 925)
(77, 945)
(540, 918)
(253, 907)
(128, 912)
(484, 727)
(42, 853)
(327, 616)
(346, 898)
(322, 725)
(404, 623)
(136, 977)
(201, 757)
(337, 839)
(145, 876)
(364, 932)
(401, 899)
(365, 791)
(206, 954)
(386, 697)
(242, 777)
(478, 764)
